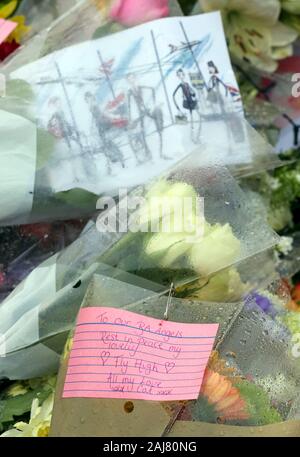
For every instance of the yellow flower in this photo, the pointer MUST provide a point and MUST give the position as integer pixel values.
(39, 423)
(68, 347)
(16, 389)
(7, 10)
(20, 31)
(255, 34)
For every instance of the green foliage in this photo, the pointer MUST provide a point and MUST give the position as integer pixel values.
(5, 2)
(203, 411)
(108, 29)
(78, 198)
(289, 180)
(258, 403)
(13, 408)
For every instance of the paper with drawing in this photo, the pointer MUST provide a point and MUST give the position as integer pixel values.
(131, 104)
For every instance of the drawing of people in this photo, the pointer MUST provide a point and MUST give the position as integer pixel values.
(189, 102)
(217, 89)
(58, 125)
(138, 112)
(103, 124)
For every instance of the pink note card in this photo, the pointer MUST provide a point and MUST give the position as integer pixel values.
(120, 354)
(6, 27)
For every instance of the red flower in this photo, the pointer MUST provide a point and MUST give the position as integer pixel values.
(39, 231)
(7, 48)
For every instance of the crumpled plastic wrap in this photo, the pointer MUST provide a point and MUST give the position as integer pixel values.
(23, 248)
(234, 235)
(251, 379)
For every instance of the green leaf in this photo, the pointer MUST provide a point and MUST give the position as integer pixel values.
(12, 408)
(78, 198)
(203, 411)
(259, 407)
(8, 8)
(108, 29)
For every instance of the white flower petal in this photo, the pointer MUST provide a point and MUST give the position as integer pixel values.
(46, 409)
(266, 10)
(13, 433)
(282, 35)
(213, 5)
(282, 52)
(35, 409)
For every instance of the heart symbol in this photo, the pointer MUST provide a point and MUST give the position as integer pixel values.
(104, 356)
(169, 366)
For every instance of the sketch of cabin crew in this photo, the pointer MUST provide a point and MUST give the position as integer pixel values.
(58, 125)
(103, 124)
(189, 102)
(138, 112)
(217, 89)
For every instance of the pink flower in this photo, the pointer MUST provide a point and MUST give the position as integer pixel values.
(133, 12)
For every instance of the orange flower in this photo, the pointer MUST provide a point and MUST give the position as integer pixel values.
(220, 392)
(294, 303)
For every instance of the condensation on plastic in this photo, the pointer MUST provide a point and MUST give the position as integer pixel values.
(46, 302)
(119, 295)
(234, 283)
(263, 156)
(263, 353)
(224, 204)
(41, 14)
(36, 318)
(250, 343)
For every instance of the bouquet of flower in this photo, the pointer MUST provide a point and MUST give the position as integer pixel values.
(175, 241)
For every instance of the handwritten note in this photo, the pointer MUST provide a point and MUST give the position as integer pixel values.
(6, 27)
(120, 354)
